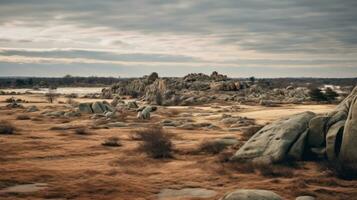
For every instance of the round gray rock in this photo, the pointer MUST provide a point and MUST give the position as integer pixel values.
(245, 194)
(305, 198)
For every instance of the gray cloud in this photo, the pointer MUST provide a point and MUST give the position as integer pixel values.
(276, 27)
(99, 55)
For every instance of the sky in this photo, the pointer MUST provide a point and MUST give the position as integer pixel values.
(131, 38)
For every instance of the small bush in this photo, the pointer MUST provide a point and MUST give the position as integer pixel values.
(51, 96)
(316, 95)
(81, 131)
(23, 117)
(112, 142)
(6, 128)
(155, 142)
(212, 147)
(274, 170)
(330, 94)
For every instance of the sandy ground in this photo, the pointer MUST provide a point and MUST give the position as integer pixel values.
(76, 166)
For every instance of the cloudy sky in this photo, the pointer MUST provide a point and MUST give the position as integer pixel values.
(127, 38)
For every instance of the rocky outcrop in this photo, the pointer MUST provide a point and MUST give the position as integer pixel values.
(332, 136)
(272, 143)
(174, 91)
(348, 153)
(96, 107)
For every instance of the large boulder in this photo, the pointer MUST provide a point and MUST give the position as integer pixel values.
(98, 107)
(297, 150)
(85, 108)
(316, 135)
(348, 153)
(248, 194)
(341, 111)
(334, 140)
(272, 143)
(305, 198)
(145, 113)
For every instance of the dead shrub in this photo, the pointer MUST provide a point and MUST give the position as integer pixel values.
(81, 131)
(155, 142)
(6, 128)
(23, 117)
(112, 142)
(51, 96)
(211, 147)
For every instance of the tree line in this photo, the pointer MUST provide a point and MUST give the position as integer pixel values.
(66, 81)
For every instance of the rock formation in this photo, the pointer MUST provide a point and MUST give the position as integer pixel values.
(332, 136)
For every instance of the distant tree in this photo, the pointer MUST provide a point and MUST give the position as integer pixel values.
(19, 83)
(330, 94)
(51, 96)
(30, 81)
(252, 79)
(316, 95)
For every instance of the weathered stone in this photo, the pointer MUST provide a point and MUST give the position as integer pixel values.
(348, 153)
(185, 193)
(297, 150)
(85, 108)
(319, 152)
(132, 104)
(316, 134)
(272, 143)
(341, 111)
(334, 140)
(145, 113)
(249, 194)
(117, 124)
(98, 107)
(32, 109)
(305, 198)
(72, 114)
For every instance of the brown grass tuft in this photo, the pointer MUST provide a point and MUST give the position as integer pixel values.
(211, 147)
(6, 128)
(81, 131)
(155, 142)
(112, 142)
(23, 117)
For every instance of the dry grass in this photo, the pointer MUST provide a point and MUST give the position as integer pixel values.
(245, 166)
(112, 142)
(274, 170)
(6, 128)
(72, 102)
(155, 142)
(336, 170)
